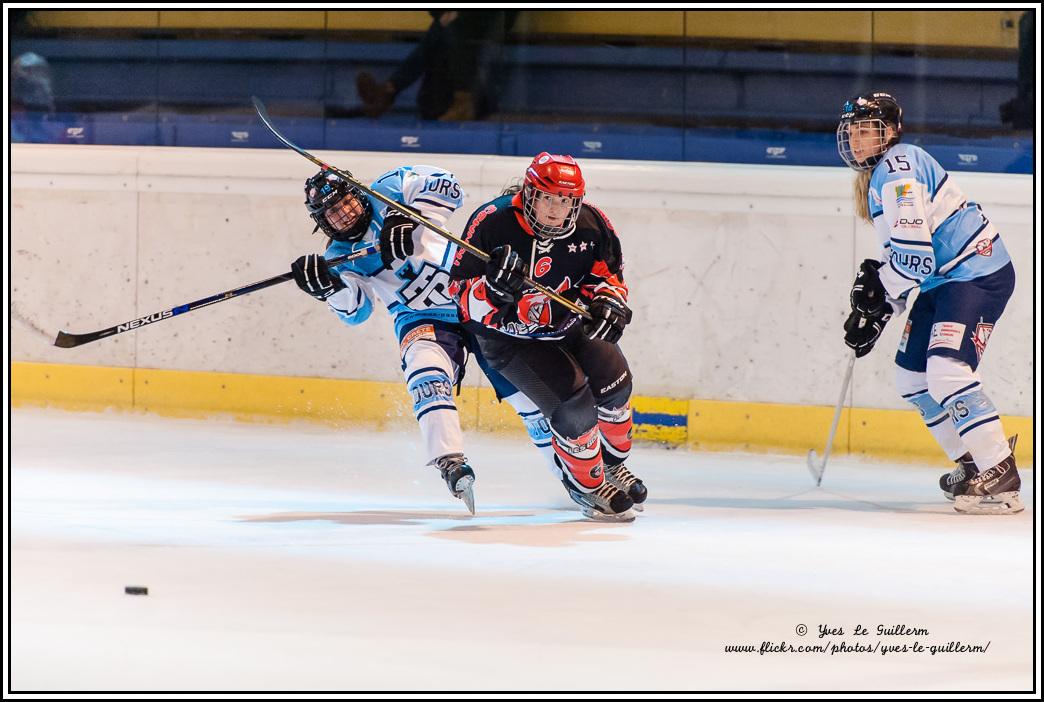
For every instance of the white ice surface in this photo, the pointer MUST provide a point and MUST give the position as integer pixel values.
(305, 558)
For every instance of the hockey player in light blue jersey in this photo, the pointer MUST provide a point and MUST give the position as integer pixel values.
(409, 277)
(936, 241)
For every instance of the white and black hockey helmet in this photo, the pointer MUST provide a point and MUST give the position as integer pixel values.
(338, 207)
(870, 115)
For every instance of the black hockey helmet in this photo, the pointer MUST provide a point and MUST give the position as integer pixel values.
(337, 206)
(873, 113)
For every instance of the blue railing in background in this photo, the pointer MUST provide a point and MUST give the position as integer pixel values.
(753, 146)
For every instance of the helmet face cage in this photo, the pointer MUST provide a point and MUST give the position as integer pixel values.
(338, 208)
(530, 195)
(872, 140)
(869, 116)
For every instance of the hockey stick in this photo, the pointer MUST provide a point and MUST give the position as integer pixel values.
(68, 341)
(817, 471)
(551, 294)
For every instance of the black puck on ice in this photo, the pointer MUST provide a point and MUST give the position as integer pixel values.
(136, 590)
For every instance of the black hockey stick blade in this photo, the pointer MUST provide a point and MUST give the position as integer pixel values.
(262, 112)
(68, 341)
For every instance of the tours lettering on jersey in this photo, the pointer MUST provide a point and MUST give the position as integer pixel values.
(441, 186)
(913, 262)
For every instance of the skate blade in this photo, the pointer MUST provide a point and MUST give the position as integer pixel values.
(1004, 503)
(593, 514)
(465, 490)
(638, 507)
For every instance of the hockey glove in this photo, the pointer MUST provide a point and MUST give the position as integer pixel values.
(505, 275)
(868, 294)
(313, 276)
(396, 238)
(609, 317)
(861, 333)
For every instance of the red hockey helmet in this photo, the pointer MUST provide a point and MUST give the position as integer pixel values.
(552, 194)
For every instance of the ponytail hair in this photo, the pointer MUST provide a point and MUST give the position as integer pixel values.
(861, 191)
(512, 187)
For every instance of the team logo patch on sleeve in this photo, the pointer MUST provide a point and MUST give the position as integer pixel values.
(984, 247)
(946, 335)
(981, 337)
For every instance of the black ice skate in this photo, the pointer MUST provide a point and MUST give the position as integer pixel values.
(959, 476)
(606, 503)
(626, 481)
(459, 477)
(966, 469)
(994, 491)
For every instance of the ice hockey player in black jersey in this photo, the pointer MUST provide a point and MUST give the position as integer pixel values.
(570, 367)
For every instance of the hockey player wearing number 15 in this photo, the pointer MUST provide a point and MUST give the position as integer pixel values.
(935, 240)
(410, 278)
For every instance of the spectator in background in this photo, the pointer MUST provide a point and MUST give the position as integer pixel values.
(31, 84)
(1020, 111)
(32, 98)
(456, 61)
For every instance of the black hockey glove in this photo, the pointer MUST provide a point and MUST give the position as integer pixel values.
(313, 276)
(396, 238)
(861, 333)
(868, 294)
(505, 275)
(609, 317)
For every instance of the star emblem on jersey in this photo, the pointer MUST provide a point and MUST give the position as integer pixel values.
(583, 246)
(572, 248)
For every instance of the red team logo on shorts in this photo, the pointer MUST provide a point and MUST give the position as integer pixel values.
(984, 247)
(981, 337)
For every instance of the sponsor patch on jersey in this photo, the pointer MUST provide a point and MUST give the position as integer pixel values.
(904, 196)
(906, 336)
(904, 223)
(981, 337)
(946, 335)
(984, 247)
(424, 331)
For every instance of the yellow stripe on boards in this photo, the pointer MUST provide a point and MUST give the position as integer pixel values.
(712, 425)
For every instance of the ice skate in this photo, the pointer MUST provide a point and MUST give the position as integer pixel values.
(605, 504)
(994, 491)
(965, 471)
(459, 477)
(959, 476)
(627, 482)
